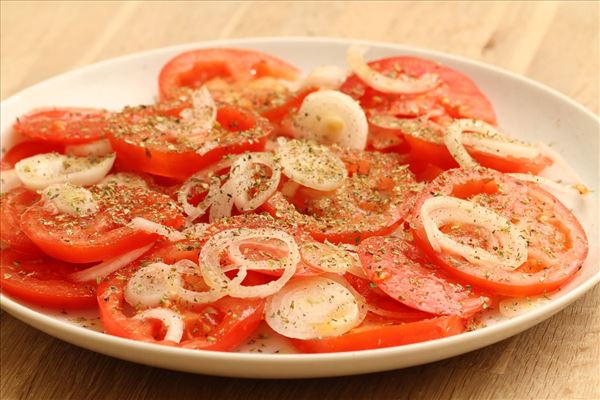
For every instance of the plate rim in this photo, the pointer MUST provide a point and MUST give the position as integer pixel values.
(493, 333)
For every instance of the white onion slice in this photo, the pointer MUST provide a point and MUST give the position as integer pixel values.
(222, 202)
(402, 84)
(9, 180)
(202, 115)
(311, 165)
(148, 226)
(327, 257)
(438, 211)
(124, 179)
(312, 308)
(325, 77)
(187, 267)
(265, 245)
(109, 266)
(43, 170)
(207, 179)
(71, 199)
(152, 285)
(196, 231)
(242, 175)
(564, 166)
(515, 306)
(158, 282)
(332, 117)
(98, 148)
(171, 319)
(215, 276)
(485, 138)
(551, 184)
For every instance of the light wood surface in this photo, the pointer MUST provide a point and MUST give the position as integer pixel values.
(555, 43)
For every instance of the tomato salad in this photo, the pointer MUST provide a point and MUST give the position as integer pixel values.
(347, 209)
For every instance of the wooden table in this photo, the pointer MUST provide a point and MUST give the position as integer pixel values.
(555, 43)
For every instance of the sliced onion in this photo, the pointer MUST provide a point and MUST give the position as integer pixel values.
(560, 187)
(215, 276)
(565, 167)
(402, 84)
(98, 148)
(275, 248)
(71, 199)
(513, 307)
(158, 282)
(172, 320)
(442, 210)
(222, 203)
(486, 139)
(124, 179)
(209, 181)
(356, 269)
(148, 226)
(43, 170)
(9, 180)
(325, 77)
(332, 117)
(109, 266)
(201, 117)
(312, 308)
(327, 257)
(311, 165)
(187, 267)
(242, 175)
(152, 285)
(196, 231)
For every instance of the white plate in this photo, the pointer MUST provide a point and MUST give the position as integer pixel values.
(524, 107)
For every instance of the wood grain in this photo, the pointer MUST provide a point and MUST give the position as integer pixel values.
(555, 43)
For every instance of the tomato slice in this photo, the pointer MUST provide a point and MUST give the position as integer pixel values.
(457, 96)
(399, 269)
(12, 205)
(148, 140)
(105, 234)
(382, 306)
(194, 68)
(219, 326)
(64, 125)
(28, 149)
(43, 281)
(379, 335)
(375, 198)
(557, 244)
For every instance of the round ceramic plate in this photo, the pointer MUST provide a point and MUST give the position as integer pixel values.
(525, 108)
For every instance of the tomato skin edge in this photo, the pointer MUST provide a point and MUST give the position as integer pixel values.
(385, 336)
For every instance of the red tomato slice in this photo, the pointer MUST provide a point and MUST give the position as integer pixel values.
(219, 326)
(28, 149)
(194, 68)
(457, 95)
(105, 234)
(557, 243)
(152, 142)
(400, 271)
(374, 199)
(376, 336)
(425, 139)
(43, 281)
(393, 309)
(64, 125)
(12, 205)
